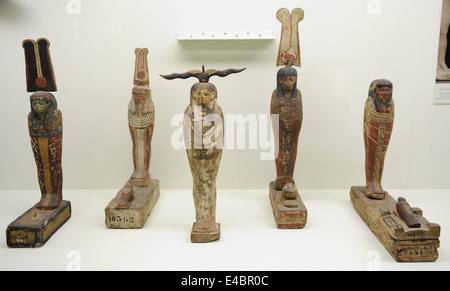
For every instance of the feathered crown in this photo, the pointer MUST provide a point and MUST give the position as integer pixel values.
(289, 49)
(39, 69)
(141, 67)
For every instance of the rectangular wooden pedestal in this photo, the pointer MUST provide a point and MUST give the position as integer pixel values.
(136, 214)
(287, 217)
(403, 243)
(35, 227)
(204, 237)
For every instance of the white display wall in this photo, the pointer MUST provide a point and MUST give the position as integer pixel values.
(344, 46)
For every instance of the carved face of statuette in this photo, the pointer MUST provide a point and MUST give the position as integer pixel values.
(40, 106)
(288, 82)
(139, 96)
(383, 93)
(203, 96)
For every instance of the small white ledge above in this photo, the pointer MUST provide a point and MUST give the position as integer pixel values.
(226, 35)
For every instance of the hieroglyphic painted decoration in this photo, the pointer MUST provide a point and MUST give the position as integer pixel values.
(286, 104)
(39, 69)
(289, 49)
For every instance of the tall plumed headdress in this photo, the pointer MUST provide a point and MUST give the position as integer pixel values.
(141, 68)
(39, 69)
(289, 49)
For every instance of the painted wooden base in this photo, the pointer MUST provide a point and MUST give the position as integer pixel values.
(35, 227)
(138, 211)
(205, 236)
(287, 217)
(403, 243)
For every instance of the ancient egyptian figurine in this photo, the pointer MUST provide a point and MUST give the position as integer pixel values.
(35, 227)
(133, 203)
(378, 123)
(204, 135)
(401, 229)
(286, 103)
(443, 71)
(286, 113)
(141, 119)
(44, 122)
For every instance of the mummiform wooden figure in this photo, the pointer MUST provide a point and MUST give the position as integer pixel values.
(35, 227)
(203, 129)
(402, 229)
(135, 201)
(287, 115)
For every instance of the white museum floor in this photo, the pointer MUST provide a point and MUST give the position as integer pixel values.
(334, 238)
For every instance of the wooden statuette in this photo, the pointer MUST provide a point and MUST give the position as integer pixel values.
(287, 114)
(378, 124)
(134, 202)
(39, 223)
(402, 230)
(204, 135)
(443, 70)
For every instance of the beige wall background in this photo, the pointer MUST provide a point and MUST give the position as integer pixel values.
(344, 46)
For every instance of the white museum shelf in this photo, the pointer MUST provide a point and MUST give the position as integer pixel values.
(334, 238)
(226, 35)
